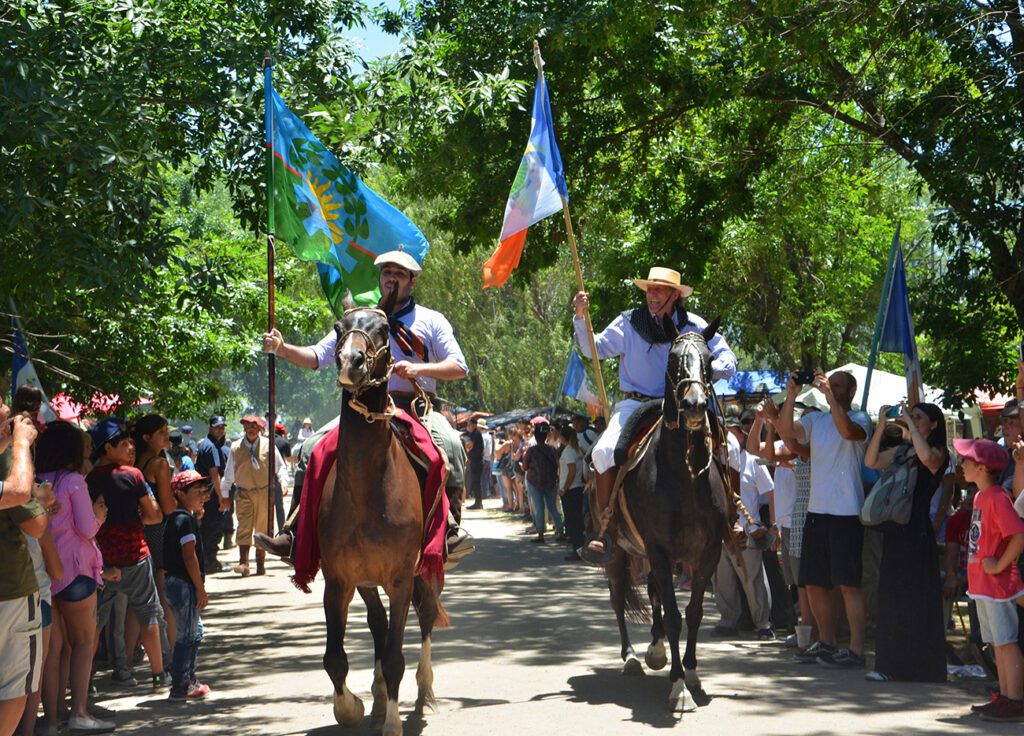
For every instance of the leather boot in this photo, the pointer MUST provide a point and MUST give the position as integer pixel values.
(282, 544)
(261, 562)
(594, 550)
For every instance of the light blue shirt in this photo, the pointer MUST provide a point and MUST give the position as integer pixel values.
(430, 326)
(642, 365)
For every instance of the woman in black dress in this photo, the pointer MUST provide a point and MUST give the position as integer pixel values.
(910, 635)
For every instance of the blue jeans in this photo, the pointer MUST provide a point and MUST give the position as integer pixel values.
(182, 598)
(539, 497)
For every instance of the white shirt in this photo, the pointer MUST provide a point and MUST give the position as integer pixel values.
(229, 470)
(642, 365)
(734, 451)
(755, 482)
(567, 459)
(785, 490)
(430, 326)
(836, 485)
(488, 443)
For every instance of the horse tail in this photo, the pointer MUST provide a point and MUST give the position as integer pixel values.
(426, 599)
(442, 622)
(636, 608)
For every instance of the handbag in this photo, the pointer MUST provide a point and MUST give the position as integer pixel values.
(892, 497)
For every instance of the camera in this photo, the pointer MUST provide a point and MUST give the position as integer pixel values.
(803, 378)
(894, 411)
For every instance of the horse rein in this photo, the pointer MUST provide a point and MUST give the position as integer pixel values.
(372, 359)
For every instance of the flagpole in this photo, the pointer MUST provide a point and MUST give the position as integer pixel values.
(598, 376)
(268, 124)
(886, 289)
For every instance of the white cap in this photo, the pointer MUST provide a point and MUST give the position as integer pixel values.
(399, 258)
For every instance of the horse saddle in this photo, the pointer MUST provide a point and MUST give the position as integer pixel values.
(636, 429)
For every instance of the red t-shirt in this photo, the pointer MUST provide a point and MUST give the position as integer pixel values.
(121, 538)
(957, 527)
(993, 523)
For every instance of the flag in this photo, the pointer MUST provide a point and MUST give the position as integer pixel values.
(329, 216)
(537, 190)
(895, 328)
(22, 371)
(576, 384)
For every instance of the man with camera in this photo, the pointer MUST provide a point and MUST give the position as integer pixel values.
(833, 536)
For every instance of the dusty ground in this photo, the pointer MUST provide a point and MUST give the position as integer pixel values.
(533, 649)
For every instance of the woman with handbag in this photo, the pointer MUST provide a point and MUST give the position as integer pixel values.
(910, 633)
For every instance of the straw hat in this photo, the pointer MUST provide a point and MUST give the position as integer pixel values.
(664, 277)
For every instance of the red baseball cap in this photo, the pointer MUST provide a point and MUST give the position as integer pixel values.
(255, 420)
(186, 478)
(539, 420)
(984, 452)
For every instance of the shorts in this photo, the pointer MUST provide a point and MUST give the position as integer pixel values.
(47, 614)
(790, 564)
(80, 588)
(138, 585)
(21, 647)
(832, 551)
(998, 621)
(155, 541)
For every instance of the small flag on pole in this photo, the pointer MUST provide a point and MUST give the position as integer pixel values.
(537, 190)
(896, 331)
(22, 370)
(576, 383)
(329, 216)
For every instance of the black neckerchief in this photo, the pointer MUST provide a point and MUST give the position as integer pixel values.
(408, 342)
(647, 326)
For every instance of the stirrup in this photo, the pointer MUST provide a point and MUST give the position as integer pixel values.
(592, 557)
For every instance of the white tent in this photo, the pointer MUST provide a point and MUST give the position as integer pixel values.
(886, 388)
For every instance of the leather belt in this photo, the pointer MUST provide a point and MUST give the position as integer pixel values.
(637, 396)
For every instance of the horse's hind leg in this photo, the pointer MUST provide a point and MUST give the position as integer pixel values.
(656, 657)
(377, 620)
(618, 582)
(348, 709)
(425, 599)
(393, 662)
(661, 569)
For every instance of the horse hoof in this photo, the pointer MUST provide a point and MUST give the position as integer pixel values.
(348, 709)
(632, 667)
(680, 698)
(656, 658)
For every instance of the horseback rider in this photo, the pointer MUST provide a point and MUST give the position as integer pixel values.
(641, 337)
(425, 350)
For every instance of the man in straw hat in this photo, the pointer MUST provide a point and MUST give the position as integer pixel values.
(641, 338)
(424, 349)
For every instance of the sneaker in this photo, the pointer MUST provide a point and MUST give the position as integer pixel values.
(791, 641)
(810, 654)
(876, 676)
(177, 695)
(842, 659)
(124, 677)
(766, 634)
(994, 698)
(90, 725)
(197, 690)
(161, 682)
(1004, 710)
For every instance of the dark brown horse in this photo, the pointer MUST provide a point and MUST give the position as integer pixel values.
(370, 530)
(677, 500)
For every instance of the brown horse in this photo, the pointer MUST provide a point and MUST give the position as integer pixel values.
(370, 529)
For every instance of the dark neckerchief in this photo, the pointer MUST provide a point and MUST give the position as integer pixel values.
(406, 339)
(648, 328)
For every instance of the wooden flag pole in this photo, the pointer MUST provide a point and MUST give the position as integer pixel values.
(598, 376)
(268, 65)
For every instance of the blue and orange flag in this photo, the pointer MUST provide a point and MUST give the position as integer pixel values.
(328, 215)
(537, 190)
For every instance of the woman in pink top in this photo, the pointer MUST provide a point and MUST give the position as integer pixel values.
(59, 457)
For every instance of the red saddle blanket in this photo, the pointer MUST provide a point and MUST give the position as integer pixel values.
(321, 462)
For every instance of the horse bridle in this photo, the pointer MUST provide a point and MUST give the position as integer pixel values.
(703, 382)
(372, 360)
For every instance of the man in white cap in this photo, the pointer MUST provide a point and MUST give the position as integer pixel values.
(424, 349)
(640, 338)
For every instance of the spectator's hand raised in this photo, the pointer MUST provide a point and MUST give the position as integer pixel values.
(821, 383)
(769, 411)
(24, 429)
(883, 413)
(1018, 451)
(792, 387)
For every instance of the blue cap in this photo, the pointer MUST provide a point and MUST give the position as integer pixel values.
(104, 431)
(186, 428)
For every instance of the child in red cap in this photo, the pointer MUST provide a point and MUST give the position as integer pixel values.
(995, 541)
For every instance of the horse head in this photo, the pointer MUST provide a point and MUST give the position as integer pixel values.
(688, 379)
(363, 350)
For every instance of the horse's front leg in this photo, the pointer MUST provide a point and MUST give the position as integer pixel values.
(426, 599)
(619, 588)
(348, 709)
(393, 662)
(661, 569)
(377, 620)
(656, 657)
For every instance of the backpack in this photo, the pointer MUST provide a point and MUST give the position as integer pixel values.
(892, 497)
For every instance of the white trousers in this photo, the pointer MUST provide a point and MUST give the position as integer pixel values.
(603, 454)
